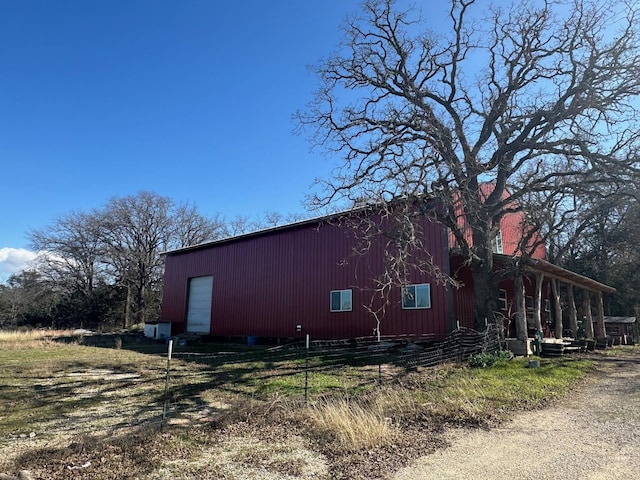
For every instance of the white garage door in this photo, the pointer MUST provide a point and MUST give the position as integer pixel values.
(199, 305)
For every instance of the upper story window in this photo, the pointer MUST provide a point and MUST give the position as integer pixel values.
(341, 301)
(496, 243)
(416, 296)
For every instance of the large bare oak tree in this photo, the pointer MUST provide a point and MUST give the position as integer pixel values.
(539, 99)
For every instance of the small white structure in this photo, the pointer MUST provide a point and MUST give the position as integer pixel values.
(157, 331)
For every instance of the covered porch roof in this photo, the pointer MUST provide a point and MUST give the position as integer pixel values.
(536, 265)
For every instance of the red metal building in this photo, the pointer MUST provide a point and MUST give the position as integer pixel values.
(305, 278)
(299, 279)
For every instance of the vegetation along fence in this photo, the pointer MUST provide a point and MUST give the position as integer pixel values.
(312, 367)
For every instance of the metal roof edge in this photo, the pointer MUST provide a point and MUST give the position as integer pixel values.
(266, 231)
(320, 219)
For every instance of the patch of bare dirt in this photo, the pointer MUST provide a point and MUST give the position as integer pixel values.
(593, 434)
(377, 463)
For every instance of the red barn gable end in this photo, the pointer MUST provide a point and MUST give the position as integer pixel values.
(277, 283)
(512, 226)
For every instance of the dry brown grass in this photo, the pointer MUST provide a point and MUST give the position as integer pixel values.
(352, 426)
(23, 339)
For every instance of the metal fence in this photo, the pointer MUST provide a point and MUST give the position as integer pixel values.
(315, 366)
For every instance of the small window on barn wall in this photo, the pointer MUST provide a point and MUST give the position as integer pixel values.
(496, 243)
(416, 296)
(502, 299)
(341, 301)
(528, 302)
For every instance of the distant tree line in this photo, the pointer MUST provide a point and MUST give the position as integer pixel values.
(103, 269)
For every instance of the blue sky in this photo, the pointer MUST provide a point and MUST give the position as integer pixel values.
(189, 99)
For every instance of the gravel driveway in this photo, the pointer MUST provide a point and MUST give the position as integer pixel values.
(594, 434)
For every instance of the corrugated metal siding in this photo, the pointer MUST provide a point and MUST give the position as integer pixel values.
(510, 226)
(265, 285)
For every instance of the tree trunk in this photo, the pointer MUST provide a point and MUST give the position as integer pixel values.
(537, 302)
(558, 308)
(601, 331)
(127, 309)
(485, 292)
(588, 319)
(521, 309)
(573, 312)
(141, 314)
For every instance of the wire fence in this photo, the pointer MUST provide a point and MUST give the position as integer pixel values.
(315, 366)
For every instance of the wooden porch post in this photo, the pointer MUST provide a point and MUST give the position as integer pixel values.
(521, 312)
(586, 310)
(601, 331)
(573, 312)
(558, 308)
(538, 301)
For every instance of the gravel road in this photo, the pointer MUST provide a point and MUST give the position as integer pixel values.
(594, 434)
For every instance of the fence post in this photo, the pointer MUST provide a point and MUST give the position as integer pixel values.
(306, 372)
(166, 380)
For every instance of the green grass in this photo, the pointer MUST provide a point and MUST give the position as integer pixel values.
(46, 380)
(622, 350)
(463, 394)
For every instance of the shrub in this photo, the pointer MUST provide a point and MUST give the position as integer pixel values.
(482, 360)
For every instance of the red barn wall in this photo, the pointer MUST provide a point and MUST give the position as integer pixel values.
(511, 228)
(266, 284)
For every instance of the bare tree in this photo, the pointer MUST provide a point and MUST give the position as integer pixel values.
(601, 240)
(136, 229)
(537, 99)
(74, 251)
(191, 228)
(27, 299)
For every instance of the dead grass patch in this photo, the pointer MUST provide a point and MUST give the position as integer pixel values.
(351, 426)
(20, 339)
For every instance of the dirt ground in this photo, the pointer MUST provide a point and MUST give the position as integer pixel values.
(594, 434)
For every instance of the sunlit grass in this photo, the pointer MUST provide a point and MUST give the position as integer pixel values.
(352, 426)
(42, 379)
(474, 394)
(622, 350)
(20, 339)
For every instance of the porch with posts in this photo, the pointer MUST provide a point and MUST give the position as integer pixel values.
(528, 318)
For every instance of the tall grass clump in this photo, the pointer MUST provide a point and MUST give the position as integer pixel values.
(21, 339)
(351, 426)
